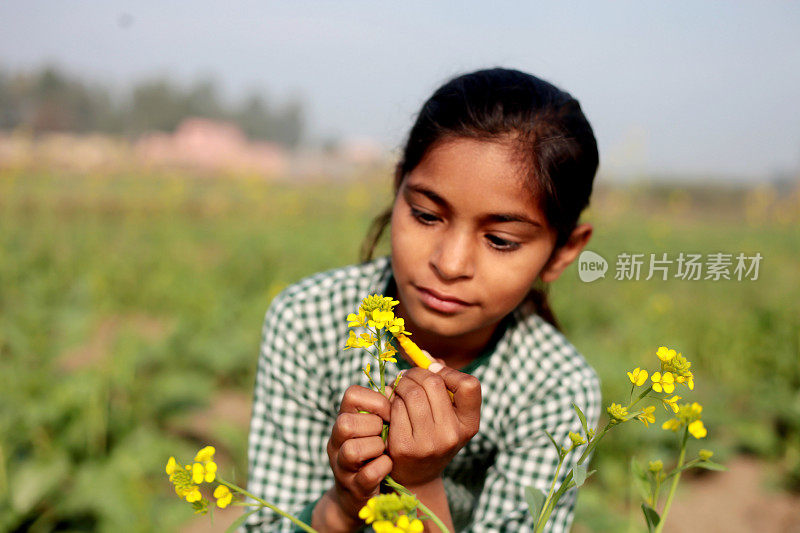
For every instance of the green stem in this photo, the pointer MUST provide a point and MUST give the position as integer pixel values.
(674, 487)
(550, 492)
(548, 508)
(302, 525)
(400, 488)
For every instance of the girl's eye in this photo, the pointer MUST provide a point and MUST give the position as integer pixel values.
(502, 245)
(424, 217)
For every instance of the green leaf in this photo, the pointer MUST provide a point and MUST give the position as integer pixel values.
(582, 417)
(579, 474)
(535, 499)
(651, 517)
(641, 480)
(711, 465)
(239, 521)
(557, 447)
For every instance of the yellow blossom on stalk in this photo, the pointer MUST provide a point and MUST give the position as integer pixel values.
(697, 429)
(397, 327)
(383, 510)
(638, 376)
(688, 379)
(365, 340)
(705, 455)
(389, 354)
(646, 416)
(576, 439)
(656, 466)
(223, 496)
(671, 403)
(357, 320)
(181, 479)
(379, 318)
(679, 367)
(671, 425)
(377, 301)
(665, 354)
(205, 455)
(665, 383)
(617, 413)
(688, 415)
(204, 469)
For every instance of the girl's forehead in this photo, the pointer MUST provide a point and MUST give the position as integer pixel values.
(468, 171)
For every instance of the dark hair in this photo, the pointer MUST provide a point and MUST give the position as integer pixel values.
(544, 124)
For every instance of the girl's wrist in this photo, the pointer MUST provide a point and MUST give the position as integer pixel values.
(329, 515)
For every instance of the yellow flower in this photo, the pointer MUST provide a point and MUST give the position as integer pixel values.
(409, 526)
(576, 439)
(397, 327)
(380, 318)
(204, 472)
(223, 496)
(377, 301)
(665, 383)
(656, 466)
(617, 413)
(206, 455)
(688, 379)
(671, 403)
(367, 369)
(172, 464)
(357, 320)
(705, 455)
(665, 354)
(638, 376)
(389, 354)
(383, 526)
(697, 429)
(646, 416)
(365, 340)
(672, 425)
(369, 512)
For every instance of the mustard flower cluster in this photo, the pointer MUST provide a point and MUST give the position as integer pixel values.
(187, 479)
(392, 513)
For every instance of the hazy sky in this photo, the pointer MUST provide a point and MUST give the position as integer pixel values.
(669, 87)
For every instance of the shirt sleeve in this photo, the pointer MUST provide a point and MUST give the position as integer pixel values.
(290, 425)
(526, 457)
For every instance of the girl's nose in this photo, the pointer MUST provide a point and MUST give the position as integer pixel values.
(453, 257)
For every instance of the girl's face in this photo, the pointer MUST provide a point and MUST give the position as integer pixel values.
(468, 241)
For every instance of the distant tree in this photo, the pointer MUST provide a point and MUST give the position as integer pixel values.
(50, 100)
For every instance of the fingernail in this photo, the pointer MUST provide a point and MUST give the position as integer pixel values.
(435, 367)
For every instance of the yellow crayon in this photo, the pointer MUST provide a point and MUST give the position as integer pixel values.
(414, 352)
(417, 355)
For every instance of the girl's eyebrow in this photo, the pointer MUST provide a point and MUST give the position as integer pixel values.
(494, 217)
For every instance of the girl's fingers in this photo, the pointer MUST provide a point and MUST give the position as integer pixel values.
(440, 405)
(371, 474)
(355, 452)
(354, 425)
(466, 395)
(400, 430)
(416, 401)
(357, 398)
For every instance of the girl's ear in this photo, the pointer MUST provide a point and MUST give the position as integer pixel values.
(567, 253)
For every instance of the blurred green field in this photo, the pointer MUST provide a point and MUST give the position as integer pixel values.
(131, 307)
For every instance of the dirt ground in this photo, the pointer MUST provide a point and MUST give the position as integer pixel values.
(736, 501)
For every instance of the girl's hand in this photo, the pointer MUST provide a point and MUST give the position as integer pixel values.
(356, 450)
(427, 429)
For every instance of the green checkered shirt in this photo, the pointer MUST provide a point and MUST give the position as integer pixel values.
(529, 379)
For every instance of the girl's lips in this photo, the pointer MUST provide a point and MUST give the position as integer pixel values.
(440, 302)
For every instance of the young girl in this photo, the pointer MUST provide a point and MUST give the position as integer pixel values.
(495, 173)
